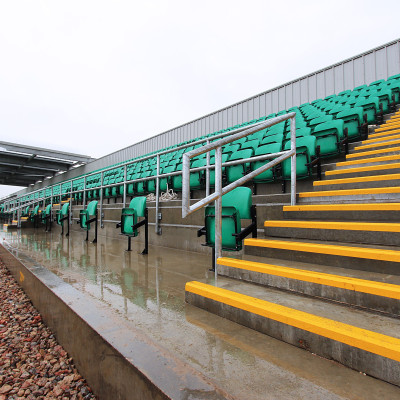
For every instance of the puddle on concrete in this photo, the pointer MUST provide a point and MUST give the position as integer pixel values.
(148, 291)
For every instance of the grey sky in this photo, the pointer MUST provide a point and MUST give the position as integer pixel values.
(93, 77)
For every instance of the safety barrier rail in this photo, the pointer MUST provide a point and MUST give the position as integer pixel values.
(219, 190)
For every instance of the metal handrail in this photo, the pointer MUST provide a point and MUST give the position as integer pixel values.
(125, 181)
(187, 208)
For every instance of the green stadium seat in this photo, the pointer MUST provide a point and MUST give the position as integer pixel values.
(370, 107)
(234, 172)
(355, 121)
(61, 216)
(307, 156)
(129, 221)
(87, 217)
(236, 206)
(272, 174)
(329, 137)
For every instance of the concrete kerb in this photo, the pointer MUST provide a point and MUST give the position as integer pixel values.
(118, 361)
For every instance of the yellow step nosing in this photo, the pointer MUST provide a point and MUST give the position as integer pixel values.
(383, 138)
(337, 225)
(372, 152)
(388, 127)
(373, 342)
(345, 207)
(383, 134)
(336, 250)
(369, 160)
(362, 169)
(381, 144)
(343, 282)
(347, 192)
(358, 179)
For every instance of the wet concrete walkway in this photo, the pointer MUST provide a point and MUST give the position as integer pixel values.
(148, 293)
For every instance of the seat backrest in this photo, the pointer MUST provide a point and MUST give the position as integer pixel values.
(336, 125)
(351, 113)
(269, 148)
(242, 154)
(308, 142)
(48, 210)
(241, 199)
(139, 204)
(302, 132)
(36, 210)
(64, 209)
(372, 101)
(92, 207)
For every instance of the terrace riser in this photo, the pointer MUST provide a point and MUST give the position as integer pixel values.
(384, 267)
(348, 236)
(357, 216)
(364, 198)
(345, 297)
(358, 185)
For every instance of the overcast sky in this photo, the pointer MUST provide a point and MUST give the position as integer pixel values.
(93, 77)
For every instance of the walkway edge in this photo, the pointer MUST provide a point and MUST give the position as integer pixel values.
(118, 361)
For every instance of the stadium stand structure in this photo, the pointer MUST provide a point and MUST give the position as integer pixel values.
(338, 245)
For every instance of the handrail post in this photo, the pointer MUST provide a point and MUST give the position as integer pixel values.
(208, 172)
(101, 199)
(84, 192)
(158, 196)
(125, 176)
(218, 207)
(293, 161)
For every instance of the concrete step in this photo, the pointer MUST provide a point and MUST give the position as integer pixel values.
(355, 291)
(368, 161)
(358, 182)
(376, 146)
(391, 150)
(367, 343)
(382, 259)
(380, 233)
(380, 194)
(364, 170)
(368, 212)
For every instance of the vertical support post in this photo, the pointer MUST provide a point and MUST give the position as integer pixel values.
(158, 196)
(218, 206)
(293, 161)
(101, 200)
(19, 214)
(69, 220)
(84, 192)
(208, 173)
(124, 195)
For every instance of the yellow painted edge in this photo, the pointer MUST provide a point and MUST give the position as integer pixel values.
(394, 124)
(345, 207)
(342, 282)
(346, 192)
(344, 251)
(350, 226)
(362, 169)
(371, 178)
(382, 134)
(368, 160)
(372, 152)
(373, 145)
(383, 345)
(377, 140)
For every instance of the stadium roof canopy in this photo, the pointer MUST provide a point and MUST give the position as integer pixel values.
(22, 165)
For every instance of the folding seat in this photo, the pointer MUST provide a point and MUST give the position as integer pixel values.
(230, 149)
(224, 159)
(61, 216)
(306, 157)
(376, 83)
(394, 87)
(257, 135)
(141, 186)
(278, 138)
(359, 88)
(394, 78)
(301, 132)
(129, 220)
(272, 174)
(385, 100)
(234, 172)
(87, 217)
(236, 206)
(370, 106)
(319, 120)
(164, 182)
(329, 137)
(250, 144)
(197, 178)
(351, 101)
(353, 119)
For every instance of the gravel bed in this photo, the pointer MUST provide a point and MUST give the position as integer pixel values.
(32, 364)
